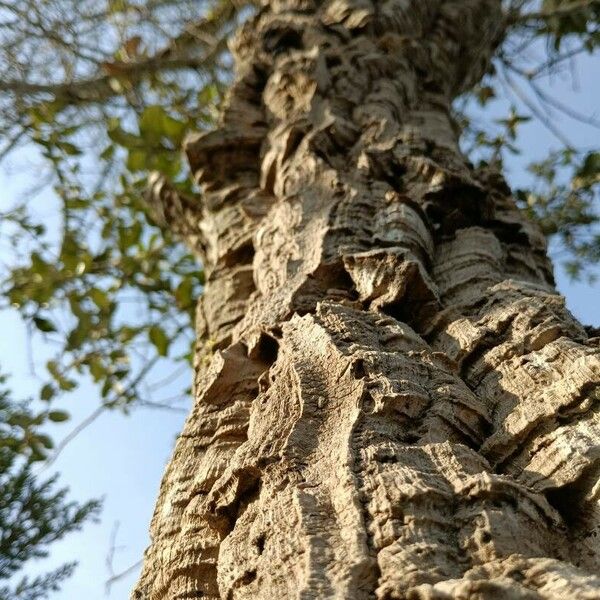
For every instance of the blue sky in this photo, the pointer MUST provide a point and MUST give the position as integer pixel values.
(122, 458)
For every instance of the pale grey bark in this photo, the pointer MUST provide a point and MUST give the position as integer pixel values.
(391, 399)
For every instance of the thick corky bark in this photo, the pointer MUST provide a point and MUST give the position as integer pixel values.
(391, 399)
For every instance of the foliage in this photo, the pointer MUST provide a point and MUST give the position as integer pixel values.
(103, 91)
(101, 280)
(566, 210)
(562, 187)
(33, 513)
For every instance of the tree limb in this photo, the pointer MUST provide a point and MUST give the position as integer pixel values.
(559, 11)
(101, 86)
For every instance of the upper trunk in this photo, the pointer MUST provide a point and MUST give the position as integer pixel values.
(391, 399)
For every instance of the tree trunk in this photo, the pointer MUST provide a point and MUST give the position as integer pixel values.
(391, 400)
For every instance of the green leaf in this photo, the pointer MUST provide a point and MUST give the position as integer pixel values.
(45, 112)
(155, 123)
(67, 384)
(108, 152)
(99, 298)
(47, 392)
(184, 293)
(22, 420)
(44, 324)
(80, 333)
(136, 159)
(37, 453)
(10, 442)
(63, 383)
(38, 264)
(118, 6)
(127, 333)
(484, 94)
(70, 251)
(130, 235)
(589, 172)
(69, 148)
(58, 416)
(97, 368)
(512, 122)
(160, 340)
(45, 441)
(121, 137)
(208, 95)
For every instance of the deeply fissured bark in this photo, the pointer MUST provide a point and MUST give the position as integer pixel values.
(391, 399)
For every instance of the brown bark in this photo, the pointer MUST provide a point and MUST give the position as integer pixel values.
(391, 399)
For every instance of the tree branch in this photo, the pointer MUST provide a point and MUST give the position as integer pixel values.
(517, 91)
(559, 11)
(101, 86)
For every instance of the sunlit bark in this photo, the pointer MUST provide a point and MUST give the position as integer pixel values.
(391, 399)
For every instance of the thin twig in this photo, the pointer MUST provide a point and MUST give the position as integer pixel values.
(113, 579)
(516, 89)
(545, 98)
(73, 434)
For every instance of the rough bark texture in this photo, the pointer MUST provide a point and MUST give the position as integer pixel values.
(391, 399)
